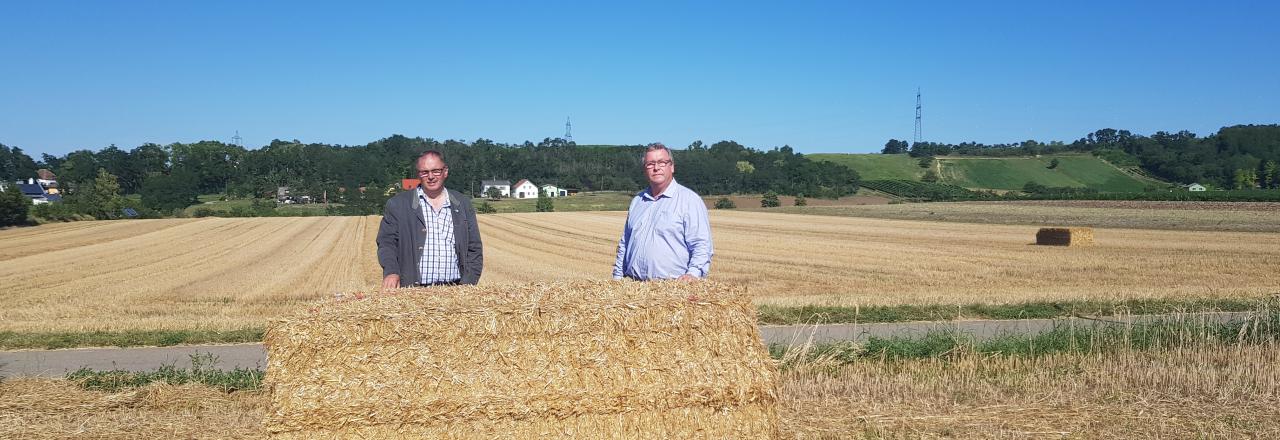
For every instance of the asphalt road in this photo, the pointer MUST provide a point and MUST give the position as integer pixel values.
(57, 363)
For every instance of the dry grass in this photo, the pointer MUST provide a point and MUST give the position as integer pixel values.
(1188, 392)
(60, 409)
(232, 273)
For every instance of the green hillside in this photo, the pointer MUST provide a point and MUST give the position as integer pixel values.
(876, 166)
(1015, 172)
(1008, 173)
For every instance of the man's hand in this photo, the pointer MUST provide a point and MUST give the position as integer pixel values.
(391, 281)
(687, 277)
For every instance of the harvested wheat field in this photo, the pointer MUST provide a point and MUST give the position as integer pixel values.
(210, 273)
(1189, 392)
(224, 274)
(791, 259)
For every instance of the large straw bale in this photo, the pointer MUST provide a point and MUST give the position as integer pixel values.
(581, 360)
(1065, 236)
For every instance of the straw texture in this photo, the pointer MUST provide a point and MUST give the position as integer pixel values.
(578, 360)
(1065, 236)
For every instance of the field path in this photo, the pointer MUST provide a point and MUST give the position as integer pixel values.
(57, 363)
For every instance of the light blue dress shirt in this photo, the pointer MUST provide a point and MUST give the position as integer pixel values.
(665, 237)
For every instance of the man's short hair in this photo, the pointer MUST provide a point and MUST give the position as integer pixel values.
(659, 146)
(435, 153)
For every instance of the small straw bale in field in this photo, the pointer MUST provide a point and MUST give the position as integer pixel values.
(566, 360)
(1065, 236)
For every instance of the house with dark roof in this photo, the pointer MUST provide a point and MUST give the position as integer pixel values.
(34, 191)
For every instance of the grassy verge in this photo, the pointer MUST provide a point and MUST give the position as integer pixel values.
(1063, 339)
(202, 371)
(780, 315)
(137, 338)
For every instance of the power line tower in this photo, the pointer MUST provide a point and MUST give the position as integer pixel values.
(568, 130)
(919, 135)
(235, 140)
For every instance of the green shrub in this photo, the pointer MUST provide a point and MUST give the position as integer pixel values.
(57, 212)
(800, 200)
(770, 200)
(485, 208)
(14, 206)
(544, 203)
(263, 207)
(725, 203)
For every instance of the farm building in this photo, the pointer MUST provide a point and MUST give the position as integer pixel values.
(1195, 187)
(553, 191)
(524, 189)
(503, 186)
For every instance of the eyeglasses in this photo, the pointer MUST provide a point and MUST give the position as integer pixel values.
(658, 163)
(436, 172)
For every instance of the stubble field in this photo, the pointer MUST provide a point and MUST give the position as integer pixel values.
(235, 273)
(1188, 392)
(225, 274)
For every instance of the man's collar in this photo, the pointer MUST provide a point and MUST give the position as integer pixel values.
(648, 190)
(444, 191)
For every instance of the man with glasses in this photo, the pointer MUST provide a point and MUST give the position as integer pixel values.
(667, 235)
(429, 236)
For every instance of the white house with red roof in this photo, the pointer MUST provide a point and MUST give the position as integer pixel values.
(524, 189)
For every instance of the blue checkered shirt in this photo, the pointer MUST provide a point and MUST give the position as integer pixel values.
(439, 261)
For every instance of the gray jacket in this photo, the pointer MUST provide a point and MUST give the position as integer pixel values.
(401, 236)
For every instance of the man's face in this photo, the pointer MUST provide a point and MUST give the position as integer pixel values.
(658, 167)
(432, 171)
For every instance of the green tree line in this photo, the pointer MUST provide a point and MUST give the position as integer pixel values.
(1237, 157)
(170, 176)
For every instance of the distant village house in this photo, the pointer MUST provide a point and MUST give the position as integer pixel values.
(36, 192)
(554, 191)
(503, 186)
(525, 189)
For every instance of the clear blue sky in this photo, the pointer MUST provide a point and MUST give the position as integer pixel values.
(835, 76)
